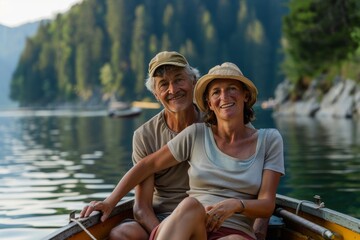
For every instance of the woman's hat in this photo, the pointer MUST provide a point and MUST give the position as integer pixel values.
(226, 70)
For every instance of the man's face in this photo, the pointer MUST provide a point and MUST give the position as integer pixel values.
(174, 89)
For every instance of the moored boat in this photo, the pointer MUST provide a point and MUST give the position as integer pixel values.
(128, 112)
(119, 109)
(293, 219)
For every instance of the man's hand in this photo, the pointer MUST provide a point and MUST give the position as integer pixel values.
(102, 206)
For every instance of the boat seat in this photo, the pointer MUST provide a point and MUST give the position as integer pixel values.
(274, 228)
(276, 222)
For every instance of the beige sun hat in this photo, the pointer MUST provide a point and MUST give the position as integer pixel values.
(226, 70)
(166, 58)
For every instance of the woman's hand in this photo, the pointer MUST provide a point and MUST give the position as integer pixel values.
(218, 213)
(213, 222)
(102, 206)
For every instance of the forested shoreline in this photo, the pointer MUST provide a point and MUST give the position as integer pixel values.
(101, 49)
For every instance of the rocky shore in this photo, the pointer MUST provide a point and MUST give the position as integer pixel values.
(342, 100)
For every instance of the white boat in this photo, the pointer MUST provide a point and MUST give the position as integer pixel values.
(126, 112)
(122, 109)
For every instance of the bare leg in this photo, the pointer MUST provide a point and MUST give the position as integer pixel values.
(187, 221)
(128, 231)
(233, 237)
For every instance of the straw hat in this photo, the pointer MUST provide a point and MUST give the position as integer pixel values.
(226, 70)
(166, 58)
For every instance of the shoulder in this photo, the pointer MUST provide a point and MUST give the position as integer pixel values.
(151, 125)
(272, 137)
(192, 131)
(195, 127)
(271, 133)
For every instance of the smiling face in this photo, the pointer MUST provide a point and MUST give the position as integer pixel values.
(226, 98)
(174, 88)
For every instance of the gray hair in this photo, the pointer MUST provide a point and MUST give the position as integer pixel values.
(150, 81)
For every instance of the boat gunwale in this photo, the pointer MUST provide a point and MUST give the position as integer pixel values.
(74, 228)
(307, 207)
(327, 214)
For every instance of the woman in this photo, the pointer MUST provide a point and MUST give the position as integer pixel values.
(234, 170)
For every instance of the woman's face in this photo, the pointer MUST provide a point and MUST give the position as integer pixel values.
(226, 97)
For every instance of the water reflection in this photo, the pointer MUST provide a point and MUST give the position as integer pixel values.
(52, 164)
(322, 157)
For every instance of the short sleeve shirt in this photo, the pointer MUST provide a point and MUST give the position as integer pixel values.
(215, 176)
(170, 184)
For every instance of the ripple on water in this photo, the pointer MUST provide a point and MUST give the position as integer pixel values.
(24, 233)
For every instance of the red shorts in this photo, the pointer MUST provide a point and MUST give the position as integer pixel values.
(153, 232)
(224, 231)
(221, 232)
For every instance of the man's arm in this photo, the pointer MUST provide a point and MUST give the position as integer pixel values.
(143, 207)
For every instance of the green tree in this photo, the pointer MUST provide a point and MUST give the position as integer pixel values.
(106, 46)
(82, 72)
(107, 81)
(138, 50)
(119, 26)
(318, 35)
(47, 72)
(63, 30)
(26, 86)
(209, 40)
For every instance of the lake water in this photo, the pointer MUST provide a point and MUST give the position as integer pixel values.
(53, 162)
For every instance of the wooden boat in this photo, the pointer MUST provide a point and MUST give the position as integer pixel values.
(292, 220)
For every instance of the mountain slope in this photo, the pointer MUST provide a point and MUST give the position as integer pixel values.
(12, 42)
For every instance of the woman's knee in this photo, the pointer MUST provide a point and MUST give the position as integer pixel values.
(191, 206)
(184, 222)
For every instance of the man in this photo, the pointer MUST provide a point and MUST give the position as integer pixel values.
(171, 79)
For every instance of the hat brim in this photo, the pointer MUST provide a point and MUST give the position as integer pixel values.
(203, 82)
(167, 63)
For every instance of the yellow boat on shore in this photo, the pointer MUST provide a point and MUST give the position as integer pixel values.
(293, 219)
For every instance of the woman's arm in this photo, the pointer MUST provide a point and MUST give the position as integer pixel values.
(264, 205)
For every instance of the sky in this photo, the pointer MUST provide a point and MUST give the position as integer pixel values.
(17, 12)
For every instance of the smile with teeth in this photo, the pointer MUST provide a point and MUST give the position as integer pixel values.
(176, 97)
(227, 105)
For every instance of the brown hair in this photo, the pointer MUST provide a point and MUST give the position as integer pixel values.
(210, 117)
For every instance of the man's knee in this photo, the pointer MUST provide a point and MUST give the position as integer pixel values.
(128, 231)
(233, 237)
(119, 232)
